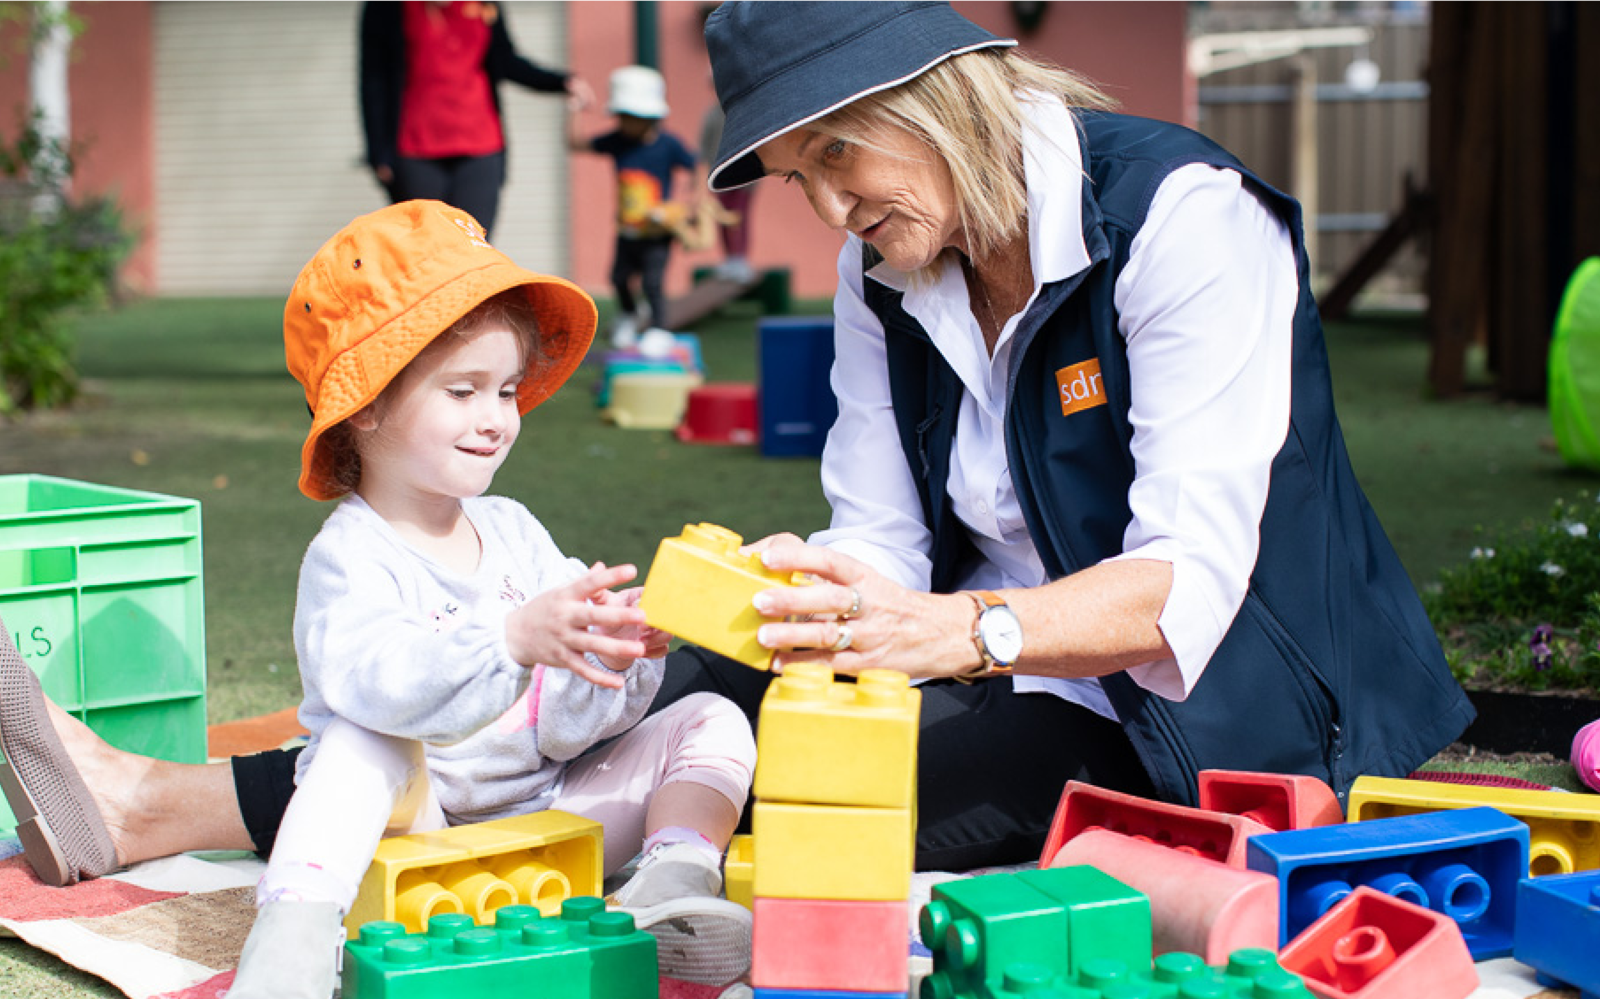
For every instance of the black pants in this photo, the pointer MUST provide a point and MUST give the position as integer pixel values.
(645, 259)
(470, 183)
(991, 762)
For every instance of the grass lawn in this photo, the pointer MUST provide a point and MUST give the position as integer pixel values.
(190, 397)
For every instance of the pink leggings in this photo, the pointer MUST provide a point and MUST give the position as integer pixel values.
(363, 786)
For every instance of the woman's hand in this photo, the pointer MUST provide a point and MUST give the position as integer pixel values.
(889, 627)
(557, 627)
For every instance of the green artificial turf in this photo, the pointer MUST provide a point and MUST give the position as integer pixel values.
(189, 397)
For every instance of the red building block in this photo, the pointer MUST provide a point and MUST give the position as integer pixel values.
(829, 944)
(1375, 946)
(1277, 801)
(1213, 835)
(1197, 906)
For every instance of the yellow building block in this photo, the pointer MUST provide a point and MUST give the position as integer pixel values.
(828, 742)
(1563, 829)
(738, 871)
(699, 588)
(539, 859)
(833, 851)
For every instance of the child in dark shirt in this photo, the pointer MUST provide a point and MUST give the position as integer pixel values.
(646, 156)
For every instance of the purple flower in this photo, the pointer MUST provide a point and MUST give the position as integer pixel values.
(1539, 646)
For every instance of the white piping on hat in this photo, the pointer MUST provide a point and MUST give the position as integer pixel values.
(990, 44)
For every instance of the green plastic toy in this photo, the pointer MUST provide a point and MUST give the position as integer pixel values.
(1575, 369)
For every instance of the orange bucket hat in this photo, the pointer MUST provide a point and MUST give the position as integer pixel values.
(383, 288)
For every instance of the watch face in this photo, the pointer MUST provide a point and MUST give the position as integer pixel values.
(1001, 633)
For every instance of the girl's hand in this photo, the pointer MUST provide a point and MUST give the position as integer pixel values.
(888, 626)
(655, 640)
(557, 627)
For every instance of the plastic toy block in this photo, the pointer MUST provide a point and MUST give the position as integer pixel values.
(1558, 929)
(1463, 863)
(523, 953)
(807, 943)
(739, 871)
(1563, 829)
(1058, 919)
(538, 859)
(699, 588)
(1375, 946)
(1277, 801)
(832, 851)
(1197, 905)
(835, 743)
(1213, 835)
(1249, 973)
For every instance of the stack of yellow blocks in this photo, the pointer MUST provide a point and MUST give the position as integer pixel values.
(834, 832)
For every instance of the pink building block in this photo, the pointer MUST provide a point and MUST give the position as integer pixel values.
(1586, 754)
(1277, 801)
(829, 945)
(1213, 835)
(1376, 946)
(1197, 906)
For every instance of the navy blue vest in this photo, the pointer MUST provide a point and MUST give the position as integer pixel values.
(1331, 667)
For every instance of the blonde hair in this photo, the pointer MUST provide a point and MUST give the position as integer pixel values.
(509, 311)
(967, 111)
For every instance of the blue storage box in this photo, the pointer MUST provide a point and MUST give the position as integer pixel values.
(796, 403)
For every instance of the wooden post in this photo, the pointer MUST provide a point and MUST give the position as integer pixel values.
(1304, 159)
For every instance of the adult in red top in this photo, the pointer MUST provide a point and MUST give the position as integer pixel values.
(430, 101)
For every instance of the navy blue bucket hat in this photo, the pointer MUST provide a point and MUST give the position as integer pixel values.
(778, 65)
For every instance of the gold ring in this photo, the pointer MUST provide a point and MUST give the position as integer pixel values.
(843, 641)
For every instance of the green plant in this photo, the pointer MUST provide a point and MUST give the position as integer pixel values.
(56, 254)
(1524, 610)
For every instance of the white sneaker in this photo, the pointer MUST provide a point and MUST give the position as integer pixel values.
(624, 333)
(292, 952)
(736, 269)
(675, 896)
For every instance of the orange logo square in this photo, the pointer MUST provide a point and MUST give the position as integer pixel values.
(1080, 386)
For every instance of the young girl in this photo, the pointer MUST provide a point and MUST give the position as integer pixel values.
(456, 667)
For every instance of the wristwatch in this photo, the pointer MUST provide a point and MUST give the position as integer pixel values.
(997, 634)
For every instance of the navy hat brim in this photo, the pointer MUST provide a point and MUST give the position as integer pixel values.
(779, 65)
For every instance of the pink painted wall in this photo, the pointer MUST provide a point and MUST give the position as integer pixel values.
(1135, 51)
(111, 89)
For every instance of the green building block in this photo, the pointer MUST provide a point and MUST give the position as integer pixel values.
(1249, 974)
(1053, 920)
(588, 953)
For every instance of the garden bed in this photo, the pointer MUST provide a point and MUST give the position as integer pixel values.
(1511, 722)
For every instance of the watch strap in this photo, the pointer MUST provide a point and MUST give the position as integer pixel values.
(987, 667)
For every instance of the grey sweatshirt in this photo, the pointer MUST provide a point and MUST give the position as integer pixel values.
(393, 642)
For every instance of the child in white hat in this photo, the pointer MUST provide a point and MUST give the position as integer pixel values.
(646, 157)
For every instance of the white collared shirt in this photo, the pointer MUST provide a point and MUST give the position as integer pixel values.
(1206, 304)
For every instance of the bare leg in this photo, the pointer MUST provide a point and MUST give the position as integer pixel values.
(154, 808)
(693, 806)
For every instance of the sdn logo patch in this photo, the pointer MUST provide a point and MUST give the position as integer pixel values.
(1080, 387)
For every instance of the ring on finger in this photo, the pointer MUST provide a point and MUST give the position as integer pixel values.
(855, 605)
(843, 641)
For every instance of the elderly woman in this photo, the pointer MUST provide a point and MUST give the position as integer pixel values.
(1086, 479)
(1086, 450)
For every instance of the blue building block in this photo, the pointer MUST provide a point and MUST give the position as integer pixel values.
(977, 928)
(1558, 930)
(1464, 863)
(794, 356)
(588, 953)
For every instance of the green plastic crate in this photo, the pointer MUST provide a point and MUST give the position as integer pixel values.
(102, 592)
